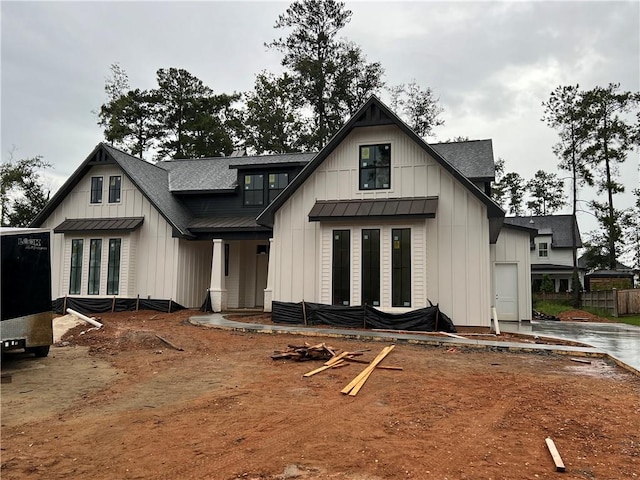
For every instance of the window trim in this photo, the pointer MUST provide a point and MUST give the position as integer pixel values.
(75, 268)
(404, 271)
(544, 250)
(95, 263)
(341, 268)
(113, 267)
(361, 185)
(370, 267)
(97, 199)
(245, 190)
(278, 175)
(114, 190)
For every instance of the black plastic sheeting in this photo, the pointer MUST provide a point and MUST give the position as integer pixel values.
(429, 319)
(100, 305)
(207, 305)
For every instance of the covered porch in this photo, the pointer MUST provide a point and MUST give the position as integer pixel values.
(239, 262)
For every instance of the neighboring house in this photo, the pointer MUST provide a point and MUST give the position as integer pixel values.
(602, 279)
(378, 216)
(551, 249)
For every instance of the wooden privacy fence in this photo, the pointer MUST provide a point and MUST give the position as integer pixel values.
(616, 302)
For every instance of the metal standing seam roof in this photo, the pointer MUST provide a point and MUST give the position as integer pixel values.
(424, 207)
(126, 224)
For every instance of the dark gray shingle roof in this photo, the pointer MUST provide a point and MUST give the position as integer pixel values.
(154, 184)
(559, 226)
(210, 174)
(474, 158)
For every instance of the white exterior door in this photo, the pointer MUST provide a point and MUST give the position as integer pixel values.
(507, 291)
(262, 268)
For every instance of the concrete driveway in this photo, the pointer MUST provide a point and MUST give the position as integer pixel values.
(619, 340)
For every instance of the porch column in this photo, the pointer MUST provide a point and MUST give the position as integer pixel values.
(268, 292)
(217, 288)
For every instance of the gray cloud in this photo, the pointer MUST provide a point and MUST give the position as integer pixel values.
(491, 63)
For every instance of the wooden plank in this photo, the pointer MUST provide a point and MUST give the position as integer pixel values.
(382, 367)
(453, 335)
(170, 344)
(322, 369)
(555, 454)
(419, 332)
(355, 381)
(579, 360)
(336, 359)
(356, 384)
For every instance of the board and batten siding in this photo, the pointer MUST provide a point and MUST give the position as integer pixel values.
(451, 261)
(513, 247)
(151, 269)
(194, 272)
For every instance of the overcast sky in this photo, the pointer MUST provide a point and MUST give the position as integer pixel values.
(491, 64)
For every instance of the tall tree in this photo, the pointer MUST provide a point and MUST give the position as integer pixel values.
(328, 72)
(546, 192)
(130, 121)
(22, 193)
(498, 189)
(563, 112)
(514, 193)
(598, 247)
(631, 228)
(417, 106)
(610, 137)
(192, 118)
(355, 80)
(180, 94)
(273, 122)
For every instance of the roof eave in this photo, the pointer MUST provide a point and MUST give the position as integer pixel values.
(267, 215)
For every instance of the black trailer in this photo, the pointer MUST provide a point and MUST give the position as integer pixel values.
(25, 308)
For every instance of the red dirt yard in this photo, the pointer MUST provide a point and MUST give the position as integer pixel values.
(118, 403)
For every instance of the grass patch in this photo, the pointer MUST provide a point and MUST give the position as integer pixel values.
(629, 319)
(551, 308)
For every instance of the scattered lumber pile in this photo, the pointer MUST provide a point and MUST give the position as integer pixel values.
(335, 360)
(356, 384)
(305, 352)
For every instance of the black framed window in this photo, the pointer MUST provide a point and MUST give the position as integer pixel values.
(114, 188)
(96, 189)
(254, 189)
(113, 266)
(95, 257)
(76, 266)
(371, 267)
(401, 267)
(277, 182)
(375, 167)
(341, 291)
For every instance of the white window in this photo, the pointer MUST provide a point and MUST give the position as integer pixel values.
(543, 249)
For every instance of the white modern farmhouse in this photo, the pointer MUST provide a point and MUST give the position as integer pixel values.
(377, 217)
